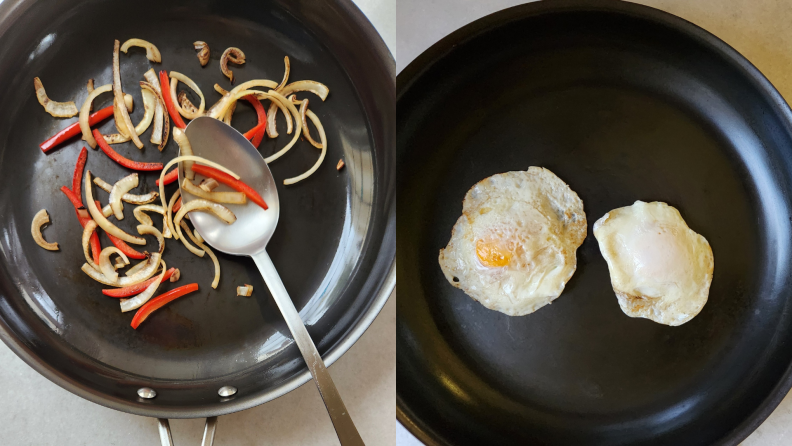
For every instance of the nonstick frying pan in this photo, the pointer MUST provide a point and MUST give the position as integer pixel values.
(334, 247)
(624, 103)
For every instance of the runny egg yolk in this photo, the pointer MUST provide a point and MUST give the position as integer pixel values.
(492, 254)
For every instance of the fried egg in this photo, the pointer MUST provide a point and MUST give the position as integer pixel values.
(660, 269)
(513, 249)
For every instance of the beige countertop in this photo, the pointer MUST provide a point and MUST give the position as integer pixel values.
(759, 29)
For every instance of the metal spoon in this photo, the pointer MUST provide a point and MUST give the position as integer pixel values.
(218, 142)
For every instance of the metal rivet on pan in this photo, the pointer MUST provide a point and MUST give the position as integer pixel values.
(147, 393)
(227, 391)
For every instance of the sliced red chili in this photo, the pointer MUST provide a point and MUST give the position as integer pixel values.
(78, 172)
(160, 301)
(115, 156)
(84, 218)
(262, 118)
(74, 129)
(170, 177)
(176, 206)
(254, 131)
(174, 114)
(136, 289)
(230, 181)
(120, 244)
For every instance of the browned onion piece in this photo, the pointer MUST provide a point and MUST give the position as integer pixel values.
(159, 111)
(285, 74)
(234, 55)
(119, 99)
(175, 276)
(220, 89)
(245, 290)
(220, 211)
(56, 109)
(217, 197)
(106, 267)
(185, 103)
(90, 87)
(102, 221)
(185, 149)
(203, 52)
(152, 53)
(209, 184)
(40, 219)
(306, 132)
(129, 198)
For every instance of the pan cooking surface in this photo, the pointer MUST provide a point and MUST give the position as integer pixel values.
(623, 103)
(327, 242)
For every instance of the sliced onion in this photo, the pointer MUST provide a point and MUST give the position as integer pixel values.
(176, 76)
(314, 87)
(139, 266)
(164, 121)
(285, 74)
(216, 280)
(40, 219)
(121, 187)
(306, 132)
(275, 96)
(184, 149)
(184, 103)
(323, 138)
(119, 98)
(119, 263)
(176, 275)
(90, 87)
(220, 89)
(219, 109)
(88, 231)
(203, 52)
(56, 109)
(340, 165)
(220, 211)
(177, 160)
(272, 122)
(169, 214)
(230, 113)
(141, 216)
(234, 55)
(152, 84)
(136, 302)
(129, 198)
(102, 221)
(106, 267)
(107, 211)
(150, 102)
(187, 244)
(209, 184)
(152, 53)
(245, 290)
(85, 111)
(217, 197)
(147, 270)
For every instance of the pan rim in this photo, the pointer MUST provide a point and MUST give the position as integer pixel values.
(383, 288)
(440, 49)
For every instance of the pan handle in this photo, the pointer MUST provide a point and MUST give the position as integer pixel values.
(167, 440)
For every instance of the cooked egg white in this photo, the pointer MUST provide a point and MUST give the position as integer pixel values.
(660, 269)
(513, 249)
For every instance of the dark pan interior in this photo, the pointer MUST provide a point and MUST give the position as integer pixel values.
(333, 246)
(623, 103)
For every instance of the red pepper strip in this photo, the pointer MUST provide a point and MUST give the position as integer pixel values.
(74, 129)
(262, 117)
(136, 289)
(170, 177)
(96, 247)
(78, 172)
(120, 244)
(176, 206)
(254, 131)
(129, 164)
(228, 180)
(174, 114)
(160, 301)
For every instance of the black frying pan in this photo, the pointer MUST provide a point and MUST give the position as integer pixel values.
(334, 246)
(622, 102)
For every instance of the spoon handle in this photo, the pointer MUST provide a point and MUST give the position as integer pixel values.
(342, 422)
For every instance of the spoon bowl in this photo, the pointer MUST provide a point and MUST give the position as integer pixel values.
(250, 233)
